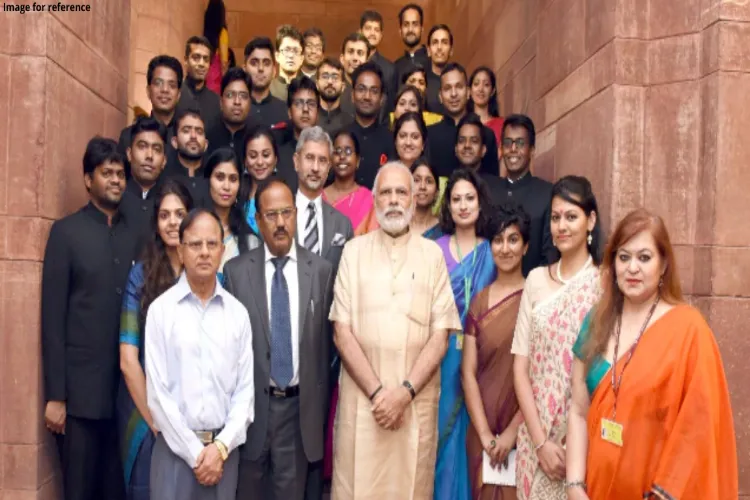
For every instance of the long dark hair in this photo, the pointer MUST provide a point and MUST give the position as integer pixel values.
(485, 205)
(158, 274)
(577, 190)
(252, 133)
(214, 20)
(237, 222)
(493, 108)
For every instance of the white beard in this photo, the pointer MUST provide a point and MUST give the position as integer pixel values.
(395, 225)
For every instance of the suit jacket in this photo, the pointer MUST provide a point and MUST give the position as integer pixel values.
(337, 230)
(246, 279)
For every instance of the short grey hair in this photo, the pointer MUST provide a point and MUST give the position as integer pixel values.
(397, 165)
(314, 134)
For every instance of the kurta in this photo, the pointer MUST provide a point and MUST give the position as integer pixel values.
(394, 294)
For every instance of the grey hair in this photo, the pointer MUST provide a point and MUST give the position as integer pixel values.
(398, 165)
(314, 134)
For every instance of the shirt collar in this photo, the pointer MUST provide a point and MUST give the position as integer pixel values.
(302, 201)
(422, 50)
(521, 180)
(292, 254)
(185, 292)
(265, 100)
(191, 83)
(93, 211)
(399, 241)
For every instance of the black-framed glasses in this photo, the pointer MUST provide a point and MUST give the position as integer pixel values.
(508, 142)
(347, 151)
(304, 103)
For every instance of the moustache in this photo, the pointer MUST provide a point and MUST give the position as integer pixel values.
(395, 210)
(280, 232)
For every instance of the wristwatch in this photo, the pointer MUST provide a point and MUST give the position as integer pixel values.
(222, 449)
(410, 388)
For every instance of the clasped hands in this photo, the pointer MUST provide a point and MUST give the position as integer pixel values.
(210, 466)
(389, 405)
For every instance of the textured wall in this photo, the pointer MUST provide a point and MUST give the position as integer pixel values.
(649, 100)
(63, 79)
(337, 19)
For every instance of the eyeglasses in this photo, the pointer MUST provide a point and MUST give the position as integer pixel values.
(508, 143)
(304, 103)
(291, 51)
(314, 47)
(232, 95)
(273, 215)
(197, 246)
(347, 151)
(331, 77)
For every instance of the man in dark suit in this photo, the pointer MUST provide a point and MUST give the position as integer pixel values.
(86, 265)
(287, 291)
(321, 229)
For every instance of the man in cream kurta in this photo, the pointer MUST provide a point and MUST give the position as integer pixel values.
(393, 311)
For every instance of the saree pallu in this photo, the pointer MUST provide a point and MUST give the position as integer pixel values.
(135, 437)
(452, 469)
(492, 327)
(555, 324)
(678, 433)
(434, 233)
(359, 209)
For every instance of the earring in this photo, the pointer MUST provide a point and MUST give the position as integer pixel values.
(590, 239)
(661, 282)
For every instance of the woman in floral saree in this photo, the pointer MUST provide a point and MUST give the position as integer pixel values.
(555, 301)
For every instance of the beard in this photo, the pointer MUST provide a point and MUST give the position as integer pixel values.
(330, 98)
(411, 42)
(184, 153)
(394, 225)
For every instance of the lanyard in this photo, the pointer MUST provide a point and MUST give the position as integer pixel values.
(617, 382)
(467, 279)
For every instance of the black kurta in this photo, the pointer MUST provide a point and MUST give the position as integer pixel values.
(376, 148)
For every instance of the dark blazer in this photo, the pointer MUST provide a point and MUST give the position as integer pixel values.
(335, 226)
(246, 279)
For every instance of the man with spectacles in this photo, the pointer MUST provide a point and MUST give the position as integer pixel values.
(331, 83)
(302, 103)
(235, 109)
(520, 186)
(265, 108)
(375, 138)
(315, 47)
(288, 300)
(289, 55)
(199, 372)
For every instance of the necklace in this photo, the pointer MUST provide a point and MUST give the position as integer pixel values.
(617, 382)
(559, 274)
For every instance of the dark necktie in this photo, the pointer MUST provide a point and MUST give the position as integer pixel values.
(311, 230)
(282, 369)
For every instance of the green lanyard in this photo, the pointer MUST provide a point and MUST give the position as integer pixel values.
(467, 279)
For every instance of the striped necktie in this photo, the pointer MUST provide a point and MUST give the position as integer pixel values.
(312, 242)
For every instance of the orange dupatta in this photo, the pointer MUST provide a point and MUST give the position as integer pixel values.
(678, 435)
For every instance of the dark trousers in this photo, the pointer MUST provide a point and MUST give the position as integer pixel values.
(314, 486)
(280, 473)
(90, 460)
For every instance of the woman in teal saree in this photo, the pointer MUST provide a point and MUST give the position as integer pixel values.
(471, 267)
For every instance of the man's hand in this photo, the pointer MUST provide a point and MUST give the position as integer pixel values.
(209, 466)
(54, 416)
(389, 406)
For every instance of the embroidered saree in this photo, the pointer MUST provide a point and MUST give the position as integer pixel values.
(547, 327)
(492, 326)
(678, 432)
(477, 269)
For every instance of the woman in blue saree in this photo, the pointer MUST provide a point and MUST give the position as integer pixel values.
(464, 220)
(149, 278)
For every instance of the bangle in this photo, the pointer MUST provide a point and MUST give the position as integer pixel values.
(537, 448)
(575, 484)
(222, 449)
(410, 388)
(372, 396)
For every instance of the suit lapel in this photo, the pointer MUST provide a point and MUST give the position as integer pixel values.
(257, 273)
(328, 230)
(304, 274)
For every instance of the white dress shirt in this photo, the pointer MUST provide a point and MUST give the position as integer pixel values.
(199, 368)
(302, 202)
(292, 283)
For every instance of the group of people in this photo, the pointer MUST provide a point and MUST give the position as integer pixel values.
(345, 272)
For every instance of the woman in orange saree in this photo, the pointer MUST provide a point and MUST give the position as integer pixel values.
(658, 425)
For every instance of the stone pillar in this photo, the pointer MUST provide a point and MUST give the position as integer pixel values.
(648, 99)
(64, 79)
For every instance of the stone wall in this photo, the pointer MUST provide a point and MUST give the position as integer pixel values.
(63, 79)
(649, 100)
(336, 18)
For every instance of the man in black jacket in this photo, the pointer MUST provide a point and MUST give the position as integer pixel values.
(86, 265)
(411, 21)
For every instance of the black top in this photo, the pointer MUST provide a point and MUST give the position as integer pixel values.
(138, 210)
(347, 106)
(432, 97)
(269, 111)
(389, 78)
(285, 165)
(376, 147)
(86, 265)
(204, 100)
(442, 138)
(334, 120)
(534, 195)
(196, 185)
(220, 137)
(405, 62)
(126, 139)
